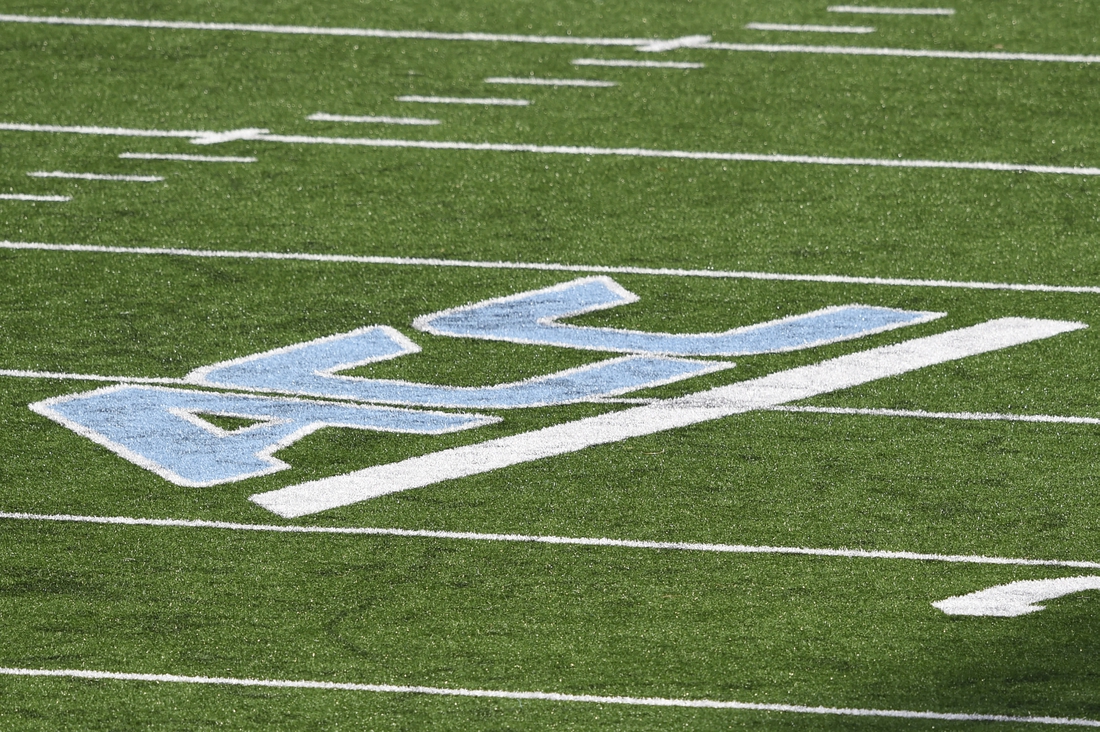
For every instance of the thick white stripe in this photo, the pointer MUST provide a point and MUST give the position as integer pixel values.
(636, 64)
(29, 197)
(461, 100)
(810, 28)
(544, 696)
(96, 176)
(532, 81)
(556, 540)
(190, 158)
(889, 11)
(549, 267)
(325, 117)
(904, 52)
(767, 391)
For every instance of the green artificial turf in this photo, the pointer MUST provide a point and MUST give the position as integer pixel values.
(762, 628)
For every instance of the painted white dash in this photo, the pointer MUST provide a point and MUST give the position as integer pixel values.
(488, 101)
(325, 117)
(889, 11)
(96, 176)
(532, 81)
(966, 416)
(550, 267)
(65, 376)
(810, 28)
(547, 696)
(553, 540)
(626, 63)
(31, 197)
(188, 158)
(905, 53)
(718, 403)
(657, 46)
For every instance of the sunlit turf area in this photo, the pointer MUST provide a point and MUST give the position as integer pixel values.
(549, 365)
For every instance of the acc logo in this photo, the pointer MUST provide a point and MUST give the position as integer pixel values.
(162, 429)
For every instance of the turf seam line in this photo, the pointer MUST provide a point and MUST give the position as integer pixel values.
(547, 267)
(642, 44)
(547, 696)
(551, 539)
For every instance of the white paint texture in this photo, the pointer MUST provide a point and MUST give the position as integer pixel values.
(96, 176)
(545, 696)
(548, 267)
(187, 158)
(207, 138)
(969, 416)
(810, 28)
(626, 63)
(533, 81)
(484, 101)
(553, 540)
(31, 197)
(641, 44)
(889, 11)
(325, 117)
(1015, 598)
(767, 391)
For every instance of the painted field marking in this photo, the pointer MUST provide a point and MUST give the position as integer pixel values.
(889, 11)
(1015, 598)
(547, 696)
(325, 117)
(30, 197)
(23, 374)
(725, 401)
(188, 158)
(547, 267)
(810, 28)
(532, 81)
(207, 138)
(636, 64)
(640, 44)
(553, 540)
(487, 101)
(96, 176)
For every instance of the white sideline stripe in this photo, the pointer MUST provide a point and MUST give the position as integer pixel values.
(30, 197)
(889, 11)
(532, 81)
(644, 701)
(96, 176)
(206, 138)
(636, 64)
(456, 100)
(975, 416)
(810, 28)
(717, 403)
(558, 540)
(23, 374)
(549, 267)
(647, 44)
(903, 52)
(325, 117)
(190, 158)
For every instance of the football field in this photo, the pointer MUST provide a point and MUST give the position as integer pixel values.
(564, 365)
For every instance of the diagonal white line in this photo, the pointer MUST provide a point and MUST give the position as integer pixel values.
(544, 696)
(553, 540)
(724, 401)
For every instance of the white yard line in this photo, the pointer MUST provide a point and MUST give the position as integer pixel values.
(889, 11)
(24, 374)
(325, 117)
(549, 267)
(626, 63)
(920, 414)
(810, 28)
(30, 197)
(641, 44)
(96, 176)
(491, 102)
(545, 696)
(549, 539)
(188, 158)
(718, 403)
(532, 81)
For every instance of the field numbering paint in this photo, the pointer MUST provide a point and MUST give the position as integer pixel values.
(1015, 598)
